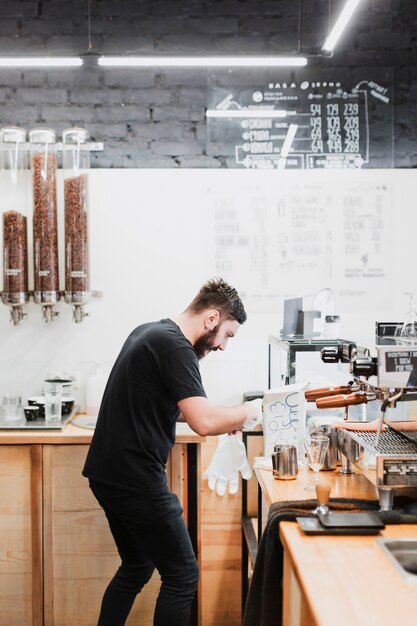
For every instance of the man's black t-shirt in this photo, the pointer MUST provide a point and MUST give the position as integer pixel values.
(135, 430)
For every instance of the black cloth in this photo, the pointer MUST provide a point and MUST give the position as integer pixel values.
(135, 430)
(264, 601)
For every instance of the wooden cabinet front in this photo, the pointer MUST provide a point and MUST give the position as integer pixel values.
(57, 554)
(20, 535)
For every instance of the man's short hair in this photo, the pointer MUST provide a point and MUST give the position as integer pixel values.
(217, 294)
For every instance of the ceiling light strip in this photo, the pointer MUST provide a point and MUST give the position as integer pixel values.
(340, 25)
(245, 113)
(202, 61)
(40, 61)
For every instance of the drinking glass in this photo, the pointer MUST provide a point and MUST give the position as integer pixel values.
(316, 447)
(12, 408)
(53, 401)
(406, 333)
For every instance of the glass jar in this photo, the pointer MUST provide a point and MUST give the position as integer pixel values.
(14, 166)
(45, 222)
(76, 165)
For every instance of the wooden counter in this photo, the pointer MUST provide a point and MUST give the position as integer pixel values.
(71, 434)
(344, 581)
(57, 551)
(342, 486)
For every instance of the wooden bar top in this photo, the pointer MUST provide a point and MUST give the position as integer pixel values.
(342, 486)
(349, 581)
(71, 434)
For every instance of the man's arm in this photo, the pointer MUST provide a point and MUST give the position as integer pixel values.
(206, 419)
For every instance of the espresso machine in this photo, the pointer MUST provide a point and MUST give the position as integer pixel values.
(389, 378)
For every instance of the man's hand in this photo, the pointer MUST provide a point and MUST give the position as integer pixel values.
(254, 413)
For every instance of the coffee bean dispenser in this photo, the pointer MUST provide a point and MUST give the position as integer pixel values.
(15, 198)
(76, 164)
(43, 156)
(28, 184)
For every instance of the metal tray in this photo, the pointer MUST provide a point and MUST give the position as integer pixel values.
(38, 424)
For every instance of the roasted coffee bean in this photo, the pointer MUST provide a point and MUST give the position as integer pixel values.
(15, 253)
(76, 234)
(45, 227)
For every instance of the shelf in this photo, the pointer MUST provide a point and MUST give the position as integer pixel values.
(89, 146)
(250, 528)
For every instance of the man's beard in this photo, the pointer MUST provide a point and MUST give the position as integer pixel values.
(204, 344)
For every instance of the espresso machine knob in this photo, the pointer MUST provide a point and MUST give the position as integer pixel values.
(364, 366)
(330, 355)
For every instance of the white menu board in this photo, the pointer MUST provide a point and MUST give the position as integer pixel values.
(303, 235)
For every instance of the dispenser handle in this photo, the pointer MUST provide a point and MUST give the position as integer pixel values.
(324, 392)
(341, 400)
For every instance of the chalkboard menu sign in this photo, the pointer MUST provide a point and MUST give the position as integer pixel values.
(304, 119)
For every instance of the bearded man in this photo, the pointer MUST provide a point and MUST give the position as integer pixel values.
(154, 382)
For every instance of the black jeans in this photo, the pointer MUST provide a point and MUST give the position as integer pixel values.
(150, 533)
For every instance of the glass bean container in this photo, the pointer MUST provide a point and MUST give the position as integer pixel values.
(14, 203)
(45, 223)
(76, 165)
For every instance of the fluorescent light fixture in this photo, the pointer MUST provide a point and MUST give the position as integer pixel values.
(245, 113)
(340, 25)
(40, 62)
(202, 61)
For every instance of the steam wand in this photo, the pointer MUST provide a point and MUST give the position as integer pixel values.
(389, 402)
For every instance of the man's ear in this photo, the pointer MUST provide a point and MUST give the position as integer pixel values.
(211, 319)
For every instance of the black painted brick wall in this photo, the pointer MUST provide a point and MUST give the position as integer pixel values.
(157, 118)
